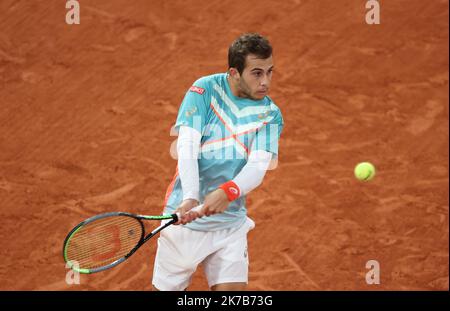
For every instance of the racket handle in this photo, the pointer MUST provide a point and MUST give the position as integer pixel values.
(195, 209)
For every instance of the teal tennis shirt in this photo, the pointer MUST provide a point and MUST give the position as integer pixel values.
(231, 127)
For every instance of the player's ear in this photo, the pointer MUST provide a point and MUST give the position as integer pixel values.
(234, 73)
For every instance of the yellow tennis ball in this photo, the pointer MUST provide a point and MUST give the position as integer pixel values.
(364, 171)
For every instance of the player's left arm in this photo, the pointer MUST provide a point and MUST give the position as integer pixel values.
(263, 151)
(248, 179)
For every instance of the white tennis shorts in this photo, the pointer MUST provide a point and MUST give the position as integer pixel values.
(222, 253)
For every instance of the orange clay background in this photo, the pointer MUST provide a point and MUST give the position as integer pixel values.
(86, 112)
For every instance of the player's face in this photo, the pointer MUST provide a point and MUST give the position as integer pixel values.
(254, 82)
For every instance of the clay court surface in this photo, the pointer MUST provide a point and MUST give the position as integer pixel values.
(86, 112)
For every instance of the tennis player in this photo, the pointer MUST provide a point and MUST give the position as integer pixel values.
(228, 132)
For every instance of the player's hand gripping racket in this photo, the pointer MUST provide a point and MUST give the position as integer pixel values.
(106, 240)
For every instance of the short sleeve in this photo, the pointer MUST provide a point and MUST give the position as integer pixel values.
(268, 136)
(193, 109)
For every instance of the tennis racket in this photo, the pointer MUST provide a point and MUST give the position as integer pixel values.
(106, 240)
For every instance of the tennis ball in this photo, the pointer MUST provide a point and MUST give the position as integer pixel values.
(364, 171)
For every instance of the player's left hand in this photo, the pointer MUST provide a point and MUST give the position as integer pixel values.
(215, 202)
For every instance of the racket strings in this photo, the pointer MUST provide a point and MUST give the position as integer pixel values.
(109, 232)
(103, 241)
(100, 251)
(96, 231)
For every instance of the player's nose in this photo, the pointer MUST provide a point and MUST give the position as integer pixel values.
(265, 81)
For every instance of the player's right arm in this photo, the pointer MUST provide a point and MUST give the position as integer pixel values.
(190, 123)
(188, 148)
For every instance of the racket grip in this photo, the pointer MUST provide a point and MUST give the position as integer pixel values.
(195, 209)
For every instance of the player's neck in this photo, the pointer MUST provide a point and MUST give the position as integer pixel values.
(233, 87)
(236, 90)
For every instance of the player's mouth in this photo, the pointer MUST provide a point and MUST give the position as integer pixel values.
(262, 92)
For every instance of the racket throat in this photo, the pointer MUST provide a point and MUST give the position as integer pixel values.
(157, 230)
(150, 235)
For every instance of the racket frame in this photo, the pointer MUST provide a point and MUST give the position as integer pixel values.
(144, 238)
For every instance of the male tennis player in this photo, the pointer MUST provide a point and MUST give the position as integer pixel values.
(228, 134)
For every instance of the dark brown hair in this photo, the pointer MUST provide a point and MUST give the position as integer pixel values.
(249, 43)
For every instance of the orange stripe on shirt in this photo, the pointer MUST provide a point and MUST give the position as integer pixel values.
(170, 188)
(220, 118)
(228, 128)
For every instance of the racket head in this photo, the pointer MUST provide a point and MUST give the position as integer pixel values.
(103, 241)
